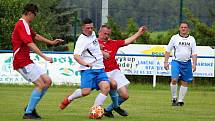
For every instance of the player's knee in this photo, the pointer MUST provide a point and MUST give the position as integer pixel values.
(185, 84)
(174, 81)
(41, 86)
(125, 96)
(85, 92)
(49, 82)
(113, 84)
(105, 88)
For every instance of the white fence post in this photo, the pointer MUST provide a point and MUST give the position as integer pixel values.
(154, 71)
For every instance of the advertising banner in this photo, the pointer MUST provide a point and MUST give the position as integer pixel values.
(65, 70)
(146, 65)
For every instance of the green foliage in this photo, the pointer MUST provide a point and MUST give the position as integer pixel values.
(116, 34)
(163, 38)
(56, 19)
(204, 34)
(44, 24)
(10, 13)
(132, 28)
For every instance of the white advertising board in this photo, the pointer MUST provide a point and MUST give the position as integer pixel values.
(64, 69)
(145, 65)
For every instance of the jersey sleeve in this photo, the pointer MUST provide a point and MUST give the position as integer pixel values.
(80, 46)
(25, 34)
(194, 51)
(120, 43)
(170, 45)
(33, 34)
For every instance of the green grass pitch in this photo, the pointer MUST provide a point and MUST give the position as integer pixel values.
(144, 104)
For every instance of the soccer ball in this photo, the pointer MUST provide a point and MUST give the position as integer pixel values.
(96, 112)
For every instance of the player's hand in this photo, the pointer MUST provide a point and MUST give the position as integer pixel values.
(106, 55)
(194, 68)
(88, 65)
(56, 41)
(166, 65)
(101, 46)
(142, 29)
(49, 59)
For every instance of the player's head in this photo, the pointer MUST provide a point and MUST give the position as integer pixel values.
(87, 26)
(104, 32)
(30, 10)
(184, 28)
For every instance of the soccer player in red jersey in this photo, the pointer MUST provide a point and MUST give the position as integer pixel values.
(110, 48)
(22, 41)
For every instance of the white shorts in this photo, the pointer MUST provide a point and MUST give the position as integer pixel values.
(119, 77)
(31, 72)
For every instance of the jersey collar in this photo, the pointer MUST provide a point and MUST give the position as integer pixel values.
(183, 36)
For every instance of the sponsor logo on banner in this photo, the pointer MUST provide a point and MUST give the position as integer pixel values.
(147, 65)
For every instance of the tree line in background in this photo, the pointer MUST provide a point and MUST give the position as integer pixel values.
(11, 11)
(56, 19)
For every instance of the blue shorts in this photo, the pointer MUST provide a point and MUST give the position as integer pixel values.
(92, 77)
(182, 70)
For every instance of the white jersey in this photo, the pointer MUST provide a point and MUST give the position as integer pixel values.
(89, 50)
(183, 47)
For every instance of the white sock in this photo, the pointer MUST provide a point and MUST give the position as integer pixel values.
(182, 93)
(100, 99)
(76, 94)
(174, 90)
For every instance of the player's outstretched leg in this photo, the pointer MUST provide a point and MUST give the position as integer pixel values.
(67, 100)
(64, 103)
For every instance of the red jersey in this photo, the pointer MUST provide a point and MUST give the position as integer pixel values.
(111, 46)
(21, 36)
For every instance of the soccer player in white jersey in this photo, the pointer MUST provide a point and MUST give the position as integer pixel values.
(88, 54)
(182, 68)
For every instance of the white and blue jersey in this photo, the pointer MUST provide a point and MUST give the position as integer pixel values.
(89, 50)
(183, 49)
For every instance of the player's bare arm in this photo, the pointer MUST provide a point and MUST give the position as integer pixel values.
(51, 42)
(37, 51)
(140, 32)
(166, 58)
(80, 61)
(194, 59)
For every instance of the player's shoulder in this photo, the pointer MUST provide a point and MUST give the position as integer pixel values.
(114, 41)
(192, 37)
(176, 36)
(19, 23)
(81, 37)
